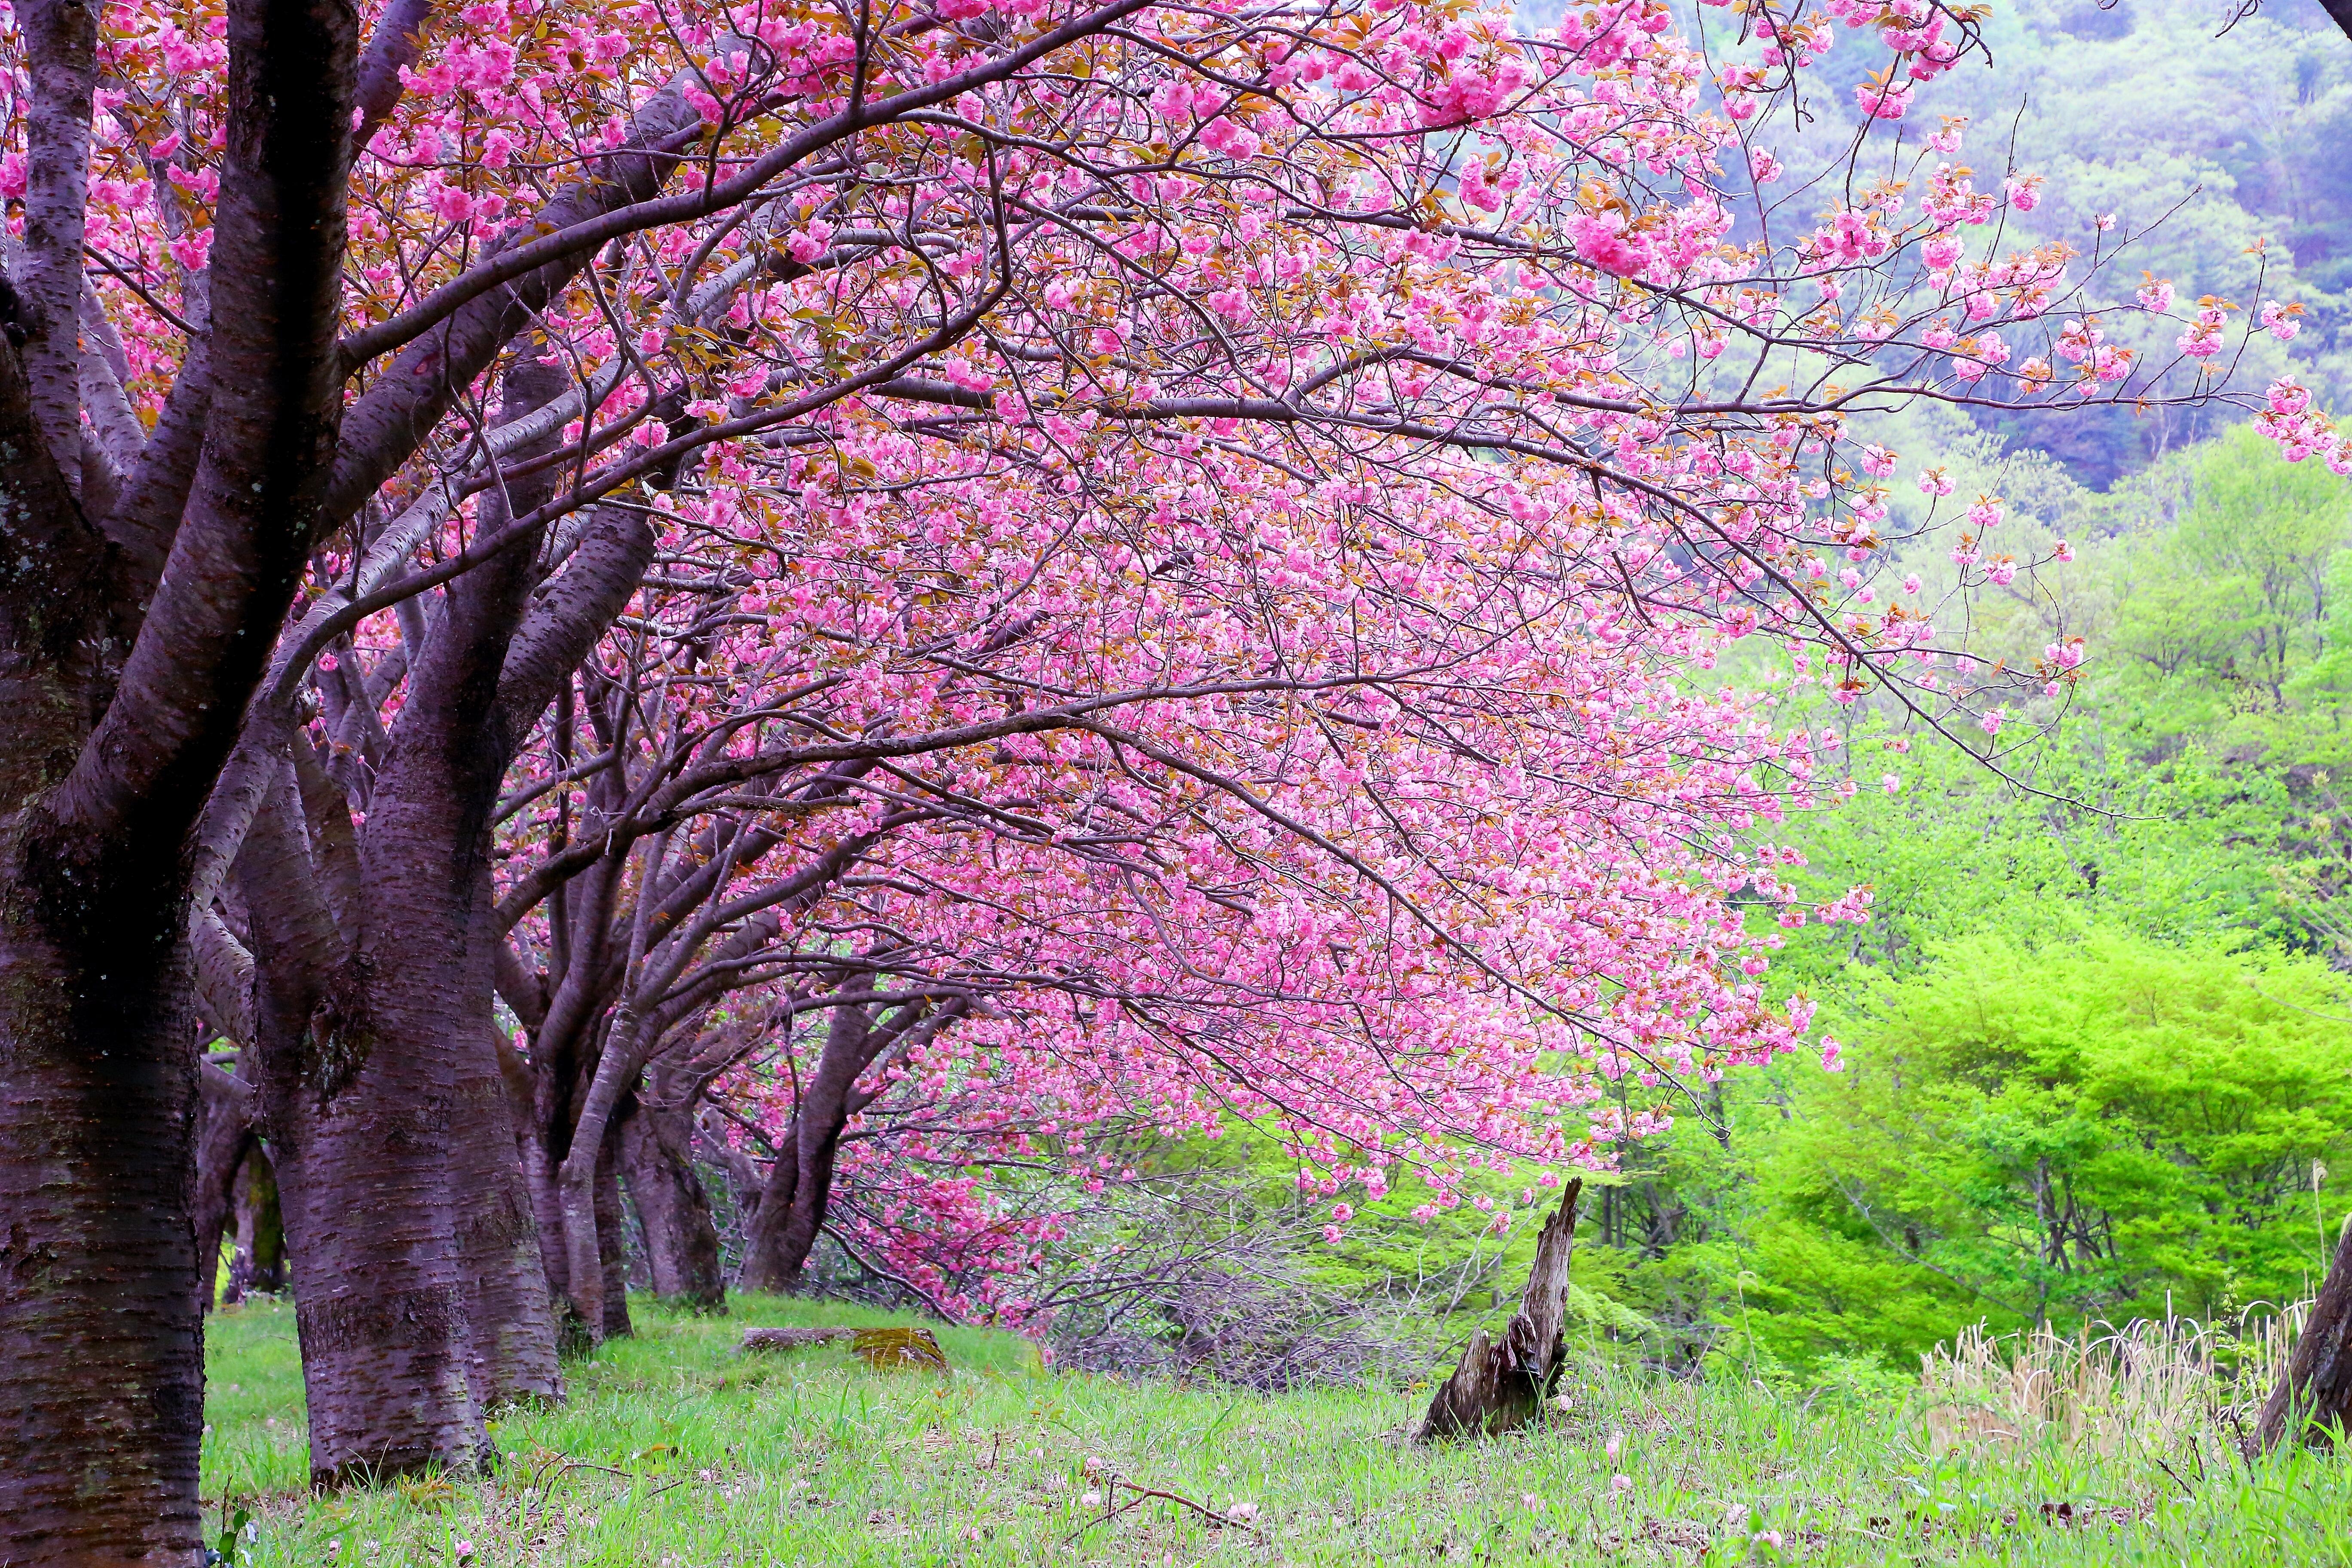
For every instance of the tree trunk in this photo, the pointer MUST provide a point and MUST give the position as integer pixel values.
(224, 1137)
(510, 1317)
(100, 1323)
(260, 1262)
(763, 1236)
(792, 1206)
(743, 1181)
(357, 1123)
(121, 684)
(799, 1190)
(2313, 1401)
(681, 1239)
(1501, 1385)
(611, 1240)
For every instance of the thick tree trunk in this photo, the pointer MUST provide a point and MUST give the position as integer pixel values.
(1501, 1384)
(357, 1127)
(681, 1239)
(427, 849)
(121, 682)
(396, 977)
(99, 1323)
(2313, 1401)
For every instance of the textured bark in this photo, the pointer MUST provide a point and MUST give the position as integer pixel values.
(411, 899)
(680, 1236)
(61, 38)
(764, 1238)
(410, 986)
(105, 758)
(98, 1265)
(588, 1198)
(1500, 1385)
(395, 44)
(817, 1124)
(2313, 1401)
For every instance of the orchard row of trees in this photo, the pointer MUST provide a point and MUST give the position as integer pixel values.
(954, 578)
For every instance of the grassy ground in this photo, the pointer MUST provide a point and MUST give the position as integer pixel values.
(676, 1451)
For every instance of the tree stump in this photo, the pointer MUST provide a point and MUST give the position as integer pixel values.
(1501, 1384)
(792, 1339)
(2313, 1397)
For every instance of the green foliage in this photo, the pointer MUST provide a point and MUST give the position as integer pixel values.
(2106, 1128)
(2097, 1032)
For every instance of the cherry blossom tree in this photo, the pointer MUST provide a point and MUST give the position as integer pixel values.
(1254, 492)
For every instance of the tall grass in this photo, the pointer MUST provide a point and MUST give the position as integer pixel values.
(676, 1451)
(2158, 1389)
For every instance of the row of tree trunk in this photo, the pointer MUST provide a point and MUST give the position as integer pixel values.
(675, 1247)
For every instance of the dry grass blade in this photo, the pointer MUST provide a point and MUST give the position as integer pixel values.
(2147, 1388)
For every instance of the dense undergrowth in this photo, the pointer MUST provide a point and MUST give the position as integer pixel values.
(675, 1450)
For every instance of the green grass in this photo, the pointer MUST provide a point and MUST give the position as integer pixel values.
(674, 1451)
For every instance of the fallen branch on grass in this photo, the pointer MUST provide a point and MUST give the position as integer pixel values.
(1216, 1521)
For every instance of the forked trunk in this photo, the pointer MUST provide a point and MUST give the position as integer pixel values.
(357, 1132)
(794, 1204)
(126, 658)
(1501, 1384)
(2313, 1401)
(765, 1265)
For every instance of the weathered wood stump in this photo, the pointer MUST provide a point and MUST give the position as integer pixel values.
(792, 1339)
(2313, 1397)
(1501, 1384)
